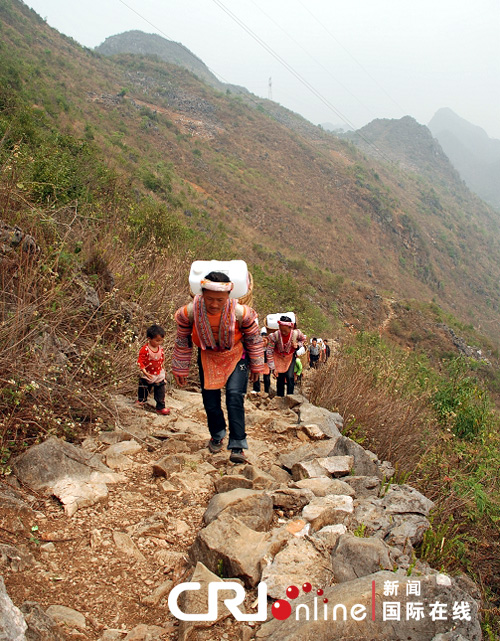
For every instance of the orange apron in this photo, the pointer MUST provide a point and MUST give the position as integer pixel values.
(282, 362)
(218, 366)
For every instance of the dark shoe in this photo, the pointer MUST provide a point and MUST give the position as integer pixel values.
(238, 456)
(214, 446)
(164, 412)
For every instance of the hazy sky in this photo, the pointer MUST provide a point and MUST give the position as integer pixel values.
(365, 58)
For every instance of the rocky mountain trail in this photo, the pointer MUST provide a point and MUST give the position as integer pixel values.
(94, 536)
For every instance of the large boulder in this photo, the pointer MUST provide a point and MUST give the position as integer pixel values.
(254, 508)
(328, 422)
(322, 486)
(365, 462)
(328, 510)
(76, 477)
(434, 589)
(404, 499)
(12, 623)
(354, 557)
(300, 561)
(228, 545)
(307, 452)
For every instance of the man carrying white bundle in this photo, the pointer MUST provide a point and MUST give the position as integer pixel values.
(229, 343)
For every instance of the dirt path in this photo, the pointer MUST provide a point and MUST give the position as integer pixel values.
(107, 560)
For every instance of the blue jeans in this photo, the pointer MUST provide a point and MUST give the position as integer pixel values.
(236, 388)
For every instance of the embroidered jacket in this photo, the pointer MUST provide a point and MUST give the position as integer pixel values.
(276, 346)
(245, 317)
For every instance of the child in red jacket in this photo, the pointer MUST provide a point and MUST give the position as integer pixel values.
(150, 361)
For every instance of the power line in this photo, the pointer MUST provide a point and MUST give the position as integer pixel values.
(297, 75)
(350, 55)
(277, 57)
(318, 62)
(259, 104)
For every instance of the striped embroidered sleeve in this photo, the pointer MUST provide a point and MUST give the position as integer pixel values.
(252, 339)
(183, 348)
(271, 344)
(301, 338)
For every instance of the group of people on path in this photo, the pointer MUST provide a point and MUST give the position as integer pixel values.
(319, 352)
(231, 350)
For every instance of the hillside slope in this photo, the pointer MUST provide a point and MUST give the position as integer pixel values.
(308, 210)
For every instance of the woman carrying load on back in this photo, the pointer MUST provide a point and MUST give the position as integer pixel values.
(281, 354)
(229, 343)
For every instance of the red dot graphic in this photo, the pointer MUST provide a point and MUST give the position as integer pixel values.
(325, 600)
(307, 587)
(281, 610)
(292, 591)
(319, 592)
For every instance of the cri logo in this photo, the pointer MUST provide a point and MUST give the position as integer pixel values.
(281, 609)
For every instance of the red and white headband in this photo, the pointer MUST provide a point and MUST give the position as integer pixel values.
(286, 323)
(216, 287)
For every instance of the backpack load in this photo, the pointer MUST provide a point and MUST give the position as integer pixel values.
(272, 320)
(236, 270)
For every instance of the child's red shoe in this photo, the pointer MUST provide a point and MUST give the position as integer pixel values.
(164, 411)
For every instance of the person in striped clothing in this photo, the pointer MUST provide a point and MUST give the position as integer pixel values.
(229, 345)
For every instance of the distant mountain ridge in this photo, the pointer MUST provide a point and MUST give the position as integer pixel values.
(408, 144)
(175, 53)
(475, 155)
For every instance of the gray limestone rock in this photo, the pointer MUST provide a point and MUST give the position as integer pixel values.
(322, 486)
(329, 535)
(308, 470)
(328, 422)
(78, 478)
(67, 616)
(402, 499)
(12, 624)
(371, 514)
(15, 514)
(328, 510)
(354, 557)
(193, 601)
(359, 591)
(230, 545)
(230, 482)
(278, 473)
(299, 562)
(260, 480)
(408, 530)
(365, 462)
(364, 486)
(123, 447)
(292, 499)
(336, 465)
(127, 547)
(42, 465)
(41, 627)
(169, 464)
(254, 508)
(14, 558)
(307, 452)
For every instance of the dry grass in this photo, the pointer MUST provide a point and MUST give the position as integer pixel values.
(398, 430)
(59, 354)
